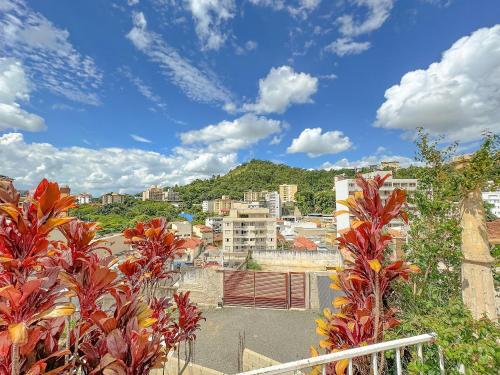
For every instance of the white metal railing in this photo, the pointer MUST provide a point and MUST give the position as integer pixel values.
(350, 354)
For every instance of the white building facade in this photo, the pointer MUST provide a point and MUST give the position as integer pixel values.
(345, 187)
(273, 203)
(493, 198)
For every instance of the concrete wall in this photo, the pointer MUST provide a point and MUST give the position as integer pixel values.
(205, 285)
(296, 260)
(253, 360)
(171, 368)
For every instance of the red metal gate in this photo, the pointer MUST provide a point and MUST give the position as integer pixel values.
(277, 290)
(297, 290)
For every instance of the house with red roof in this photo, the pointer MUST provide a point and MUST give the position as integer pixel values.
(301, 243)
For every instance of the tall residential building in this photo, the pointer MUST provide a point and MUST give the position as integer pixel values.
(207, 206)
(248, 229)
(171, 196)
(345, 187)
(254, 196)
(83, 198)
(273, 202)
(154, 193)
(493, 197)
(222, 205)
(110, 198)
(287, 193)
(215, 222)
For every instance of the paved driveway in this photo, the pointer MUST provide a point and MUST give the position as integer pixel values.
(283, 335)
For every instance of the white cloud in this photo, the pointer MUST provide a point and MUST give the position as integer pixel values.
(143, 88)
(281, 88)
(316, 143)
(132, 2)
(198, 85)
(138, 138)
(300, 8)
(230, 136)
(458, 96)
(251, 45)
(209, 16)
(345, 46)
(367, 161)
(377, 12)
(106, 169)
(14, 88)
(47, 54)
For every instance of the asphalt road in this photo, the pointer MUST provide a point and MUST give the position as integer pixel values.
(283, 335)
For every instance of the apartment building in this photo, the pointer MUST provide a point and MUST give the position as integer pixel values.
(345, 187)
(249, 229)
(83, 198)
(223, 205)
(287, 193)
(207, 206)
(65, 190)
(273, 202)
(214, 222)
(171, 196)
(493, 197)
(254, 196)
(154, 193)
(111, 198)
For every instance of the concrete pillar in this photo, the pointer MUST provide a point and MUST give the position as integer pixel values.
(478, 291)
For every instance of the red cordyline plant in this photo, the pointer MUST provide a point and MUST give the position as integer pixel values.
(31, 292)
(366, 279)
(155, 247)
(116, 330)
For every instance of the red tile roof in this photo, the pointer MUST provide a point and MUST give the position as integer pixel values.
(304, 243)
(494, 232)
(191, 243)
(203, 228)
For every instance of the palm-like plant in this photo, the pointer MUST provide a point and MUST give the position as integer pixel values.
(365, 281)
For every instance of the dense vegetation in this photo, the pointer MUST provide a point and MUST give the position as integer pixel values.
(433, 301)
(258, 175)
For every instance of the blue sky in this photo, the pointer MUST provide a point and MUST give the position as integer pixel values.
(119, 95)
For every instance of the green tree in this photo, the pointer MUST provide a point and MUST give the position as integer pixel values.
(324, 201)
(432, 302)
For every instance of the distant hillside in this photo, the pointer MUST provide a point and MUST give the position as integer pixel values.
(258, 175)
(265, 175)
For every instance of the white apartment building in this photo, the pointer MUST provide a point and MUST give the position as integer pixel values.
(83, 198)
(345, 187)
(493, 197)
(215, 222)
(287, 193)
(154, 193)
(207, 206)
(273, 202)
(248, 229)
(254, 196)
